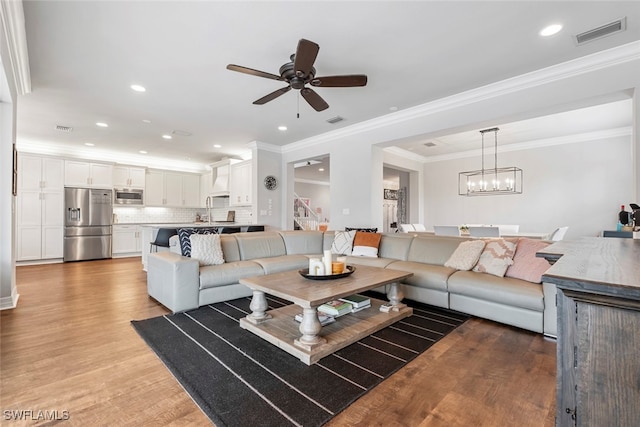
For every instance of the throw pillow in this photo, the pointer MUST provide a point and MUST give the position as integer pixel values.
(526, 265)
(366, 244)
(343, 242)
(364, 230)
(496, 257)
(185, 233)
(206, 248)
(466, 255)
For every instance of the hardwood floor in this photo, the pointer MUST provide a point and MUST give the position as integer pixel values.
(69, 347)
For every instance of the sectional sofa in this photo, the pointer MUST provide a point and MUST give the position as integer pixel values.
(181, 284)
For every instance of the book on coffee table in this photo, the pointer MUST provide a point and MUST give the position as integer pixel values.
(335, 308)
(357, 300)
(324, 319)
(357, 309)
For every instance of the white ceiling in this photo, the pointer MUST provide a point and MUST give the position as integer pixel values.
(84, 55)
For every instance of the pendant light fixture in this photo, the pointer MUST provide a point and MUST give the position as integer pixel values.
(487, 182)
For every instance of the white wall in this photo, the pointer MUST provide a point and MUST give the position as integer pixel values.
(581, 185)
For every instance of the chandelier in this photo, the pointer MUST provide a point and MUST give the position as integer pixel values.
(486, 182)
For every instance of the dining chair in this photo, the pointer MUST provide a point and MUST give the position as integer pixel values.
(559, 233)
(484, 231)
(446, 230)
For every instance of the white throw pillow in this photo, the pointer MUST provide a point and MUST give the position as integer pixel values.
(496, 257)
(343, 242)
(206, 248)
(366, 251)
(466, 255)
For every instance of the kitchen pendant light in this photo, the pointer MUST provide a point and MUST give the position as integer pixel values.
(487, 182)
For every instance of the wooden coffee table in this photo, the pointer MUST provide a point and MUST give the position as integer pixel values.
(308, 340)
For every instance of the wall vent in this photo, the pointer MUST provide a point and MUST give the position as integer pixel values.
(335, 120)
(602, 31)
(429, 144)
(181, 133)
(66, 129)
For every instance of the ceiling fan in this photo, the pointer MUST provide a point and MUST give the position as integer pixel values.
(300, 72)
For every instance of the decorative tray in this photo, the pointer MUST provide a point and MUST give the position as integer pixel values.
(305, 273)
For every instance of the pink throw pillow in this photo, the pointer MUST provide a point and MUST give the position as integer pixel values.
(526, 266)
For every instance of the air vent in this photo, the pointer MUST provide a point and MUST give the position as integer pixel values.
(335, 120)
(181, 133)
(64, 128)
(603, 31)
(429, 144)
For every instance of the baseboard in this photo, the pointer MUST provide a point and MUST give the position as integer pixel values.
(7, 303)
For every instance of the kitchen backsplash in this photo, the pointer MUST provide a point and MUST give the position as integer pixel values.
(159, 215)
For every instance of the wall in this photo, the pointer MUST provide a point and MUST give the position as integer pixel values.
(581, 185)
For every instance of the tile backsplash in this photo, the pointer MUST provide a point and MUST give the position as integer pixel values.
(160, 215)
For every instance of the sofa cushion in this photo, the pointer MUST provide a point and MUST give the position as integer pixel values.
(501, 290)
(230, 248)
(302, 241)
(395, 246)
(228, 273)
(206, 249)
(526, 266)
(369, 261)
(185, 233)
(496, 257)
(260, 244)
(282, 263)
(433, 249)
(429, 276)
(366, 244)
(343, 242)
(466, 255)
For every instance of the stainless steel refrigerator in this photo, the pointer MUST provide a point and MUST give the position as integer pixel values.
(87, 225)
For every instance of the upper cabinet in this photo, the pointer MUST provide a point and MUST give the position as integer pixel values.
(240, 185)
(85, 174)
(172, 189)
(128, 177)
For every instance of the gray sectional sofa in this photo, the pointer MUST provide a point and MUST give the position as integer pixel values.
(180, 284)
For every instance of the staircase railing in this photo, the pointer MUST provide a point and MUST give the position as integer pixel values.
(303, 215)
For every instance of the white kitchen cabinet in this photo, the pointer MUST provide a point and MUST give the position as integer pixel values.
(172, 189)
(127, 240)
(240, 185)
(86, 174)
(128, 177)
(39, 210)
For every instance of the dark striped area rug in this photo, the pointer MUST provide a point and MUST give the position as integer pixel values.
(238, 379)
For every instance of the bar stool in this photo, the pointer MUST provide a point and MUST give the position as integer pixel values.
(162, 238)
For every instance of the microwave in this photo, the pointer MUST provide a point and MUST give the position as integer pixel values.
(128, 196)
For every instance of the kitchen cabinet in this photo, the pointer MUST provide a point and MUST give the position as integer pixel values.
(172, 189)
(240, 185)
(598, 283)
(128, 177)
(85, 174)
(39, 210)
(127, 240)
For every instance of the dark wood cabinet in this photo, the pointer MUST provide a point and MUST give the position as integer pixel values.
(598, 372)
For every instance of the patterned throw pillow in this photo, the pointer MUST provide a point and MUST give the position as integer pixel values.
(466, 255)
(206, 249)
(364, 230)
(343, 242)
(366, 244)
(496, 257)
(526, 266)
(185, 233)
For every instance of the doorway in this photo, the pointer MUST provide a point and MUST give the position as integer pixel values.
(311, 201)
(395, 206)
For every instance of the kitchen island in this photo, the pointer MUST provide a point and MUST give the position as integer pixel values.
(149, 232)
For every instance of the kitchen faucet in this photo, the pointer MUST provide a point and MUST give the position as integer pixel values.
(209, 205)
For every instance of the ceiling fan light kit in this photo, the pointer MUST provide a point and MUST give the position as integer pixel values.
(493, 181)
(299, 73)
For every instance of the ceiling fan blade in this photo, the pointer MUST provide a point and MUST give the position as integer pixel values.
(350, 80)
(272, 95)
(314, 99)
(305, 57)
(251, 71)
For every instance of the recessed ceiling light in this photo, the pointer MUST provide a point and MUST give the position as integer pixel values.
(89, 144)
(282, 128)
(138, 88)
(217, 146)
(550, 30)
(166, 136)
(146, 121)
(142, 152)
(321, 169)
(102, 125)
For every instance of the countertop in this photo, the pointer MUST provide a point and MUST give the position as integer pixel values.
(184, 224)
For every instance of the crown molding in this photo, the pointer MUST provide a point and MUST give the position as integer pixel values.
(264, 146)
(589, 63)
(12, 16)
(311, 181)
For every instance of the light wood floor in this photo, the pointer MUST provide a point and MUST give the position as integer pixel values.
(69, 347)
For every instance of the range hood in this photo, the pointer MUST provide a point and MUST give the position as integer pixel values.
(220, 178)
